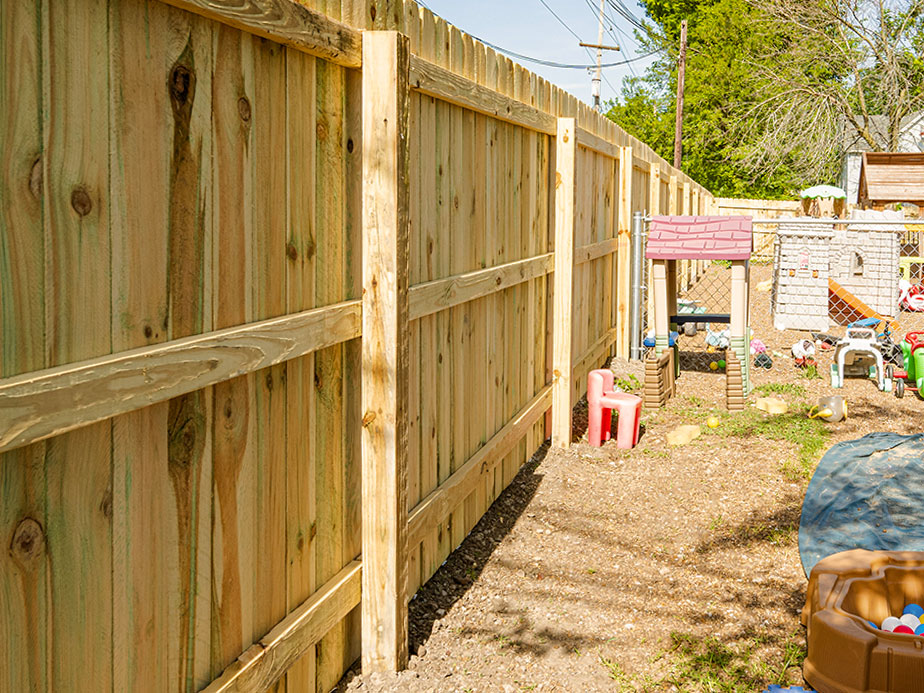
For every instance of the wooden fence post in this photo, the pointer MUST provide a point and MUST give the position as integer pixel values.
(566, 151)
(385, 367)
(624, 250)
(654, 202)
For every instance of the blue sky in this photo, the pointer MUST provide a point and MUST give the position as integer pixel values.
(528, 27)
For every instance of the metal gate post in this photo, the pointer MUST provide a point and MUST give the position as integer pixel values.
(636, 278)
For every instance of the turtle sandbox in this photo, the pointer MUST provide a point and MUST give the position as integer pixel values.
(845, 653)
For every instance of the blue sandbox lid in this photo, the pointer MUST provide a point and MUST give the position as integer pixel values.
(866, 494)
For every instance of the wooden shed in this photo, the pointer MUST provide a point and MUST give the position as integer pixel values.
(891, 177)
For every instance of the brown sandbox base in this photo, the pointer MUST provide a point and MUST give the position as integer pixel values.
(845, 653)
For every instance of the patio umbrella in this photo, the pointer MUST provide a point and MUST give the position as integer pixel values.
(823, 191)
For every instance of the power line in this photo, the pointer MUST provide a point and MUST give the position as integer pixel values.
(569, 66)
(560, 20)
(624, 12)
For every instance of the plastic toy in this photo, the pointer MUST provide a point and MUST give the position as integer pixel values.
(858, 355)
(911, 377)
(712, 422)
(830, 409)
(702, 238)
(891, 352)
(835, 273)
(602, 399)
(719, 340)
(910, 296)
(763, 361)
(847, 591)
(757, 347)
(803, 353)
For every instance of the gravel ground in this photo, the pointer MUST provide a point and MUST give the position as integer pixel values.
(654, 569)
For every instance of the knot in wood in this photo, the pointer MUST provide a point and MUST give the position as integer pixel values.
(243, 108)
(368, 418)
(372, 12)
(81, 202)
(28, 544)
(350, 145)
(180, 81)
(35, 178)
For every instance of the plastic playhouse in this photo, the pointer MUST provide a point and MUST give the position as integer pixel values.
(841, 273)
(700, 238)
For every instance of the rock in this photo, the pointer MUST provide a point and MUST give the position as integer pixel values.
(683, 434)
(772, 405)
(421, 651)
(498, 605)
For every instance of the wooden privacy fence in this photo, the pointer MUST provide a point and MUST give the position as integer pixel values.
(277, 321)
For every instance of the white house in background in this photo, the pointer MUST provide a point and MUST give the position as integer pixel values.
(853, 146)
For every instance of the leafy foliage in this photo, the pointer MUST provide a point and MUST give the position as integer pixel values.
(770, 85)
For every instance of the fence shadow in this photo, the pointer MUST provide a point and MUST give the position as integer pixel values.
(463, 566)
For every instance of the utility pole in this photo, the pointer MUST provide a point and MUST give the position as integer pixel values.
(681, 69)
(595, 82)
(598, 73)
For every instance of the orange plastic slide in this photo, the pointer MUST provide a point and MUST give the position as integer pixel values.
(845, 307)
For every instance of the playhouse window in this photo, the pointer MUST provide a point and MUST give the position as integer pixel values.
(856, 265)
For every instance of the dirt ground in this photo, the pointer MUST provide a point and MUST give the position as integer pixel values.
(654, 569)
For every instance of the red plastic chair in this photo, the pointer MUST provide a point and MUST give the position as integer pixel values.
(601, 401)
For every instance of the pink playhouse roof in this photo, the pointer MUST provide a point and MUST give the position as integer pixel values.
(699, 238)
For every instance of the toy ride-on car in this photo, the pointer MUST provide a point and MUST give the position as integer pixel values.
(912, 376)
(858, 355)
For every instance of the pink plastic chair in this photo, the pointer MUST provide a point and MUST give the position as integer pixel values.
(601, 400)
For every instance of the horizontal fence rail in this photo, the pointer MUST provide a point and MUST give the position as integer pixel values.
(47, 403)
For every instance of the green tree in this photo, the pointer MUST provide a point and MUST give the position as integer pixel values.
(770, 85)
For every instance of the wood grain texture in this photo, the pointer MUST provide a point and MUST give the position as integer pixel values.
(329, 181)
(447, 85)
(264, 662)
(269, 603)
(440, 502)
(78, 465)
(285, 22)
(50, 402)
(623, 294)
(440, 294)
(564, 268)
(24, 566)
(597, 144)
(233, 451)
(594, 251)
(385, 351)
(145, 574)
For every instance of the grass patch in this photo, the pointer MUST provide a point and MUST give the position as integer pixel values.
(708, 664)
(790, 389)
(615, 672)
(627, 384)
(811, 373)
(809, 436)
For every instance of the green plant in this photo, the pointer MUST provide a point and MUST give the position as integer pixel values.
(628, 384)
(615, 672)
(708, 664)
(716, 522)
(781, 389)
(811, 373)
(810, 436)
